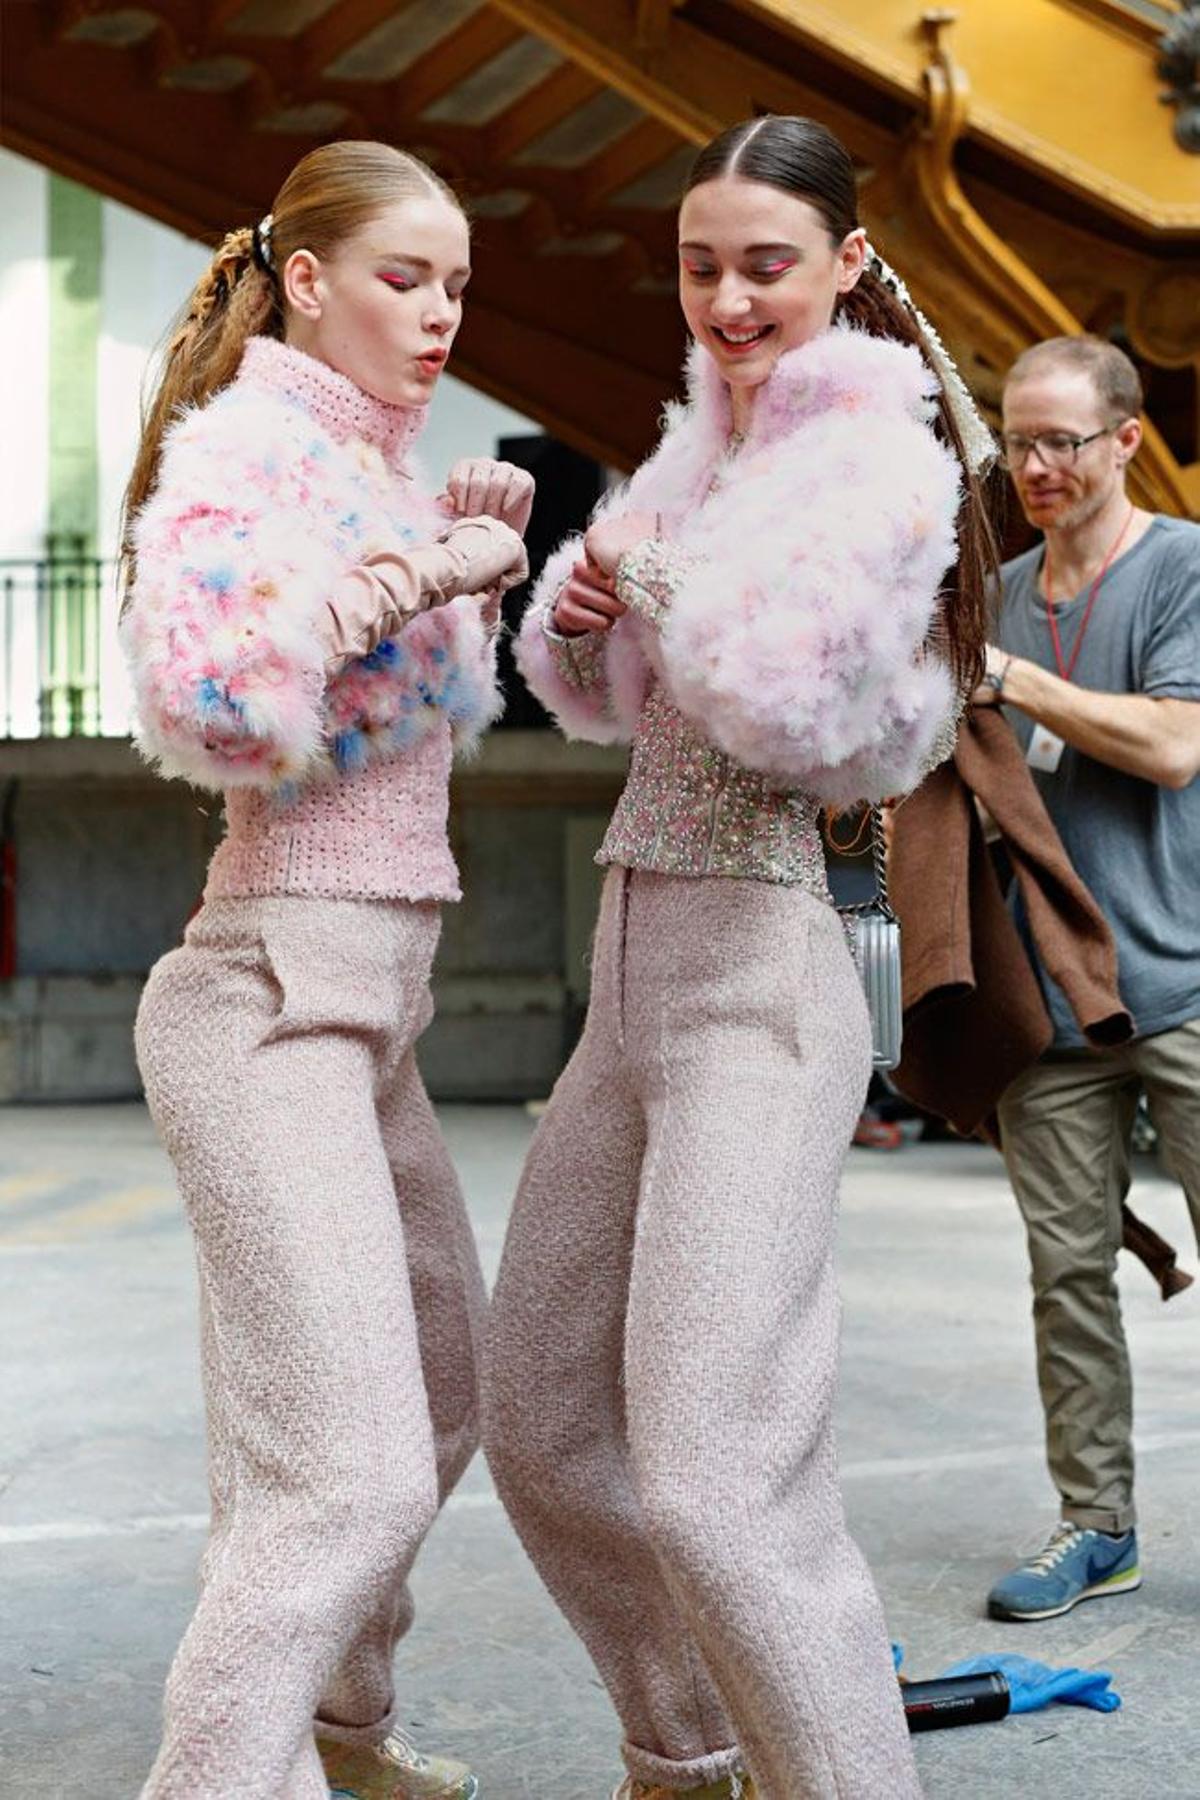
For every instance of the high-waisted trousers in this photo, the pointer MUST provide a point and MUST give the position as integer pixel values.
(663, 1346)
(341, 1312)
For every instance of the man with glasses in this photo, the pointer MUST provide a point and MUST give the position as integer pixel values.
(1096, 662)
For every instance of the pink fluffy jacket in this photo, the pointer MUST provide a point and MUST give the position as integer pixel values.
(267, 495)
(806, 575)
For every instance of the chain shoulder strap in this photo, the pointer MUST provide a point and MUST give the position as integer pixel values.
(880, 900)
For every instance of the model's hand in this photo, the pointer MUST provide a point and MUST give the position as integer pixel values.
(608, 539)
(479, 484)
(586, 602)
(491, 554)
(491, 611)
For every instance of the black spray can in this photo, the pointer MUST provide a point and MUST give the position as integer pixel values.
(955, 1700)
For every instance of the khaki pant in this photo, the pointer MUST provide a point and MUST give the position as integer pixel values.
(1066, 1126)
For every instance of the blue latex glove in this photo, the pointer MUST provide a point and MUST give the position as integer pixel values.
(1033, 1685)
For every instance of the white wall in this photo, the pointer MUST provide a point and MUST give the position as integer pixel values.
(25, 424)
(24, 357)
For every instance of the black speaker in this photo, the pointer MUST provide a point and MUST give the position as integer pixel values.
(568, 487)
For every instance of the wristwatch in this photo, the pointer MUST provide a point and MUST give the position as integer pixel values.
(995, 680)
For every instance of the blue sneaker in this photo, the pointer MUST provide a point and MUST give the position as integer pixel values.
(1075, 1564)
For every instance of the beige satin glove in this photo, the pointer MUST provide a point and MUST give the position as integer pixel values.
(381, 595)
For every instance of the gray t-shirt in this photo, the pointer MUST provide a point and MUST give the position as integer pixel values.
(1136, 845)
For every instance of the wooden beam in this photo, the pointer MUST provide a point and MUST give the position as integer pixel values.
(567, 88)
(600, 44)
(644, 147)
(652, 19)
(475, 42)
(217, 14)
(561, 198)
(337, 31)
(695, 83)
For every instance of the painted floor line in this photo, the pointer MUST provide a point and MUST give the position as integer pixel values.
(996, 1456)
(482, 1499)
(68, 1531)
(99, 1213)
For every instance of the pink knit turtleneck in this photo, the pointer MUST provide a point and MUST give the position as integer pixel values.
(380, 832)
(332, 401)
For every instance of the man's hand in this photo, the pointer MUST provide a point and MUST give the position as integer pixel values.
(479, 484)
(609, 539)
(998, 666)
(586, 602)
(1156, 739)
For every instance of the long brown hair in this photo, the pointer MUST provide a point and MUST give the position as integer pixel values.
(807, 160)
(329, 195)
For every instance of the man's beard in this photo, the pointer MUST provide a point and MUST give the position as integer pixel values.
(1080, 511)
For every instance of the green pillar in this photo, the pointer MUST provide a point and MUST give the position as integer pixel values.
(70, 618)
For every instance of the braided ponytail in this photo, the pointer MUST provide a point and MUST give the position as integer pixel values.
(872, 307)
(233, 300)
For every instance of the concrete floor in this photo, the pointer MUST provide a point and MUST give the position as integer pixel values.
(102, 1493)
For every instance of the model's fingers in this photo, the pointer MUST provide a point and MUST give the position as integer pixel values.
(586, 595)
(480, 498)
(588, 575)
(572, 618)
(517, 492)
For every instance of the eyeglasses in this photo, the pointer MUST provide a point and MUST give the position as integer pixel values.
(1056, 449)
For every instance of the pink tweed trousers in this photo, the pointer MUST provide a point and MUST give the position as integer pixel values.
(663, 1347)
(341, 1304)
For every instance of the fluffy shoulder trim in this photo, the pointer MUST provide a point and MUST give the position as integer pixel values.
(795, 637)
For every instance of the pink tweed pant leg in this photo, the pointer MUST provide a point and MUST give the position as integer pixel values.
(554, 1405)
(276, 1048)
(740, 1028)
(450, 1300)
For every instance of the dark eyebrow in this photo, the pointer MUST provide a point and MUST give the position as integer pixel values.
(417, 262)
(750, 250)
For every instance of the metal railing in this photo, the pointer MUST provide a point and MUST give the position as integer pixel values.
(61, 673)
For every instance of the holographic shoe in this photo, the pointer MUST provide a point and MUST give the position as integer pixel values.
(393, 1770)
(730, 1787)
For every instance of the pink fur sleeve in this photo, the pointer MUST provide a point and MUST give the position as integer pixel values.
(593, 686)
(221, 630)
(796, 636)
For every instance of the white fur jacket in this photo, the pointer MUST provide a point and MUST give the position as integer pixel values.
(800, 579)
(266, 496)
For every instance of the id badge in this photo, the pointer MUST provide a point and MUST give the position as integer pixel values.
(1045, 750)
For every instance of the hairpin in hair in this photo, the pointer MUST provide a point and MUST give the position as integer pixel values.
(978, 442)
(264, 258)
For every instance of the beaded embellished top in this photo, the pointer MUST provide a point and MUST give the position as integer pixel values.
(688, 808)
(779, 652)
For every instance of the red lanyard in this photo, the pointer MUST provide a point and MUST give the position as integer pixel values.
(1067, 669)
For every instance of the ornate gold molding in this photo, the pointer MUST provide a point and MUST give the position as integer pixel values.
(1013, 307)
